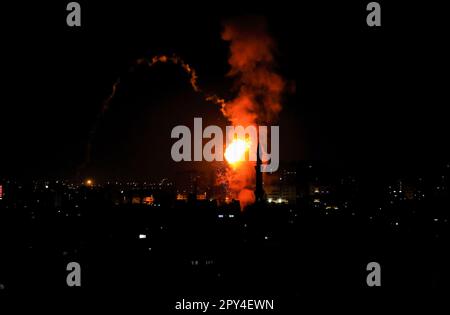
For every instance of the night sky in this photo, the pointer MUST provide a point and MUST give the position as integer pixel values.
(368, 100)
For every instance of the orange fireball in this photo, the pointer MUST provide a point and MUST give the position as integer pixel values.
(236, 151)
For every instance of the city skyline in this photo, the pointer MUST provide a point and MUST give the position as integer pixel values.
(224, 156)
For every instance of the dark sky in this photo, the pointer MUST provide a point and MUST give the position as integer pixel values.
(365, 98)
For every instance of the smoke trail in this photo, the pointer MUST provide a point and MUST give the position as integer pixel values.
(173, 59)
(259, 90)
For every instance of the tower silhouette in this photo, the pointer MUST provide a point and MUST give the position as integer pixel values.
(259, 190)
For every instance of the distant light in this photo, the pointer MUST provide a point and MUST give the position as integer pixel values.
(436, 220)
(231, 216)
(46, 186)
(279, 200)
(142, 236)
(220, 216)
(269, 200)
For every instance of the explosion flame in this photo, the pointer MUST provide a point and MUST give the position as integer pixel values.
(236, 151)
(258, 99)
(259, 95)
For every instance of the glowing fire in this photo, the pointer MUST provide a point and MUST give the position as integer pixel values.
(258, 99)
(236, 151)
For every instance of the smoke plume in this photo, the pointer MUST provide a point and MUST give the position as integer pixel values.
(252, 66)
(259, 90)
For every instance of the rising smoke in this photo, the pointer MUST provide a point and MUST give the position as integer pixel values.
(252, 66)
(259, 91)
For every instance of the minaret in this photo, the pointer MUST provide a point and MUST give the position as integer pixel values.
(259, 191)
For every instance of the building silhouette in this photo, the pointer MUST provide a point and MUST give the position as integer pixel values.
(259, 190)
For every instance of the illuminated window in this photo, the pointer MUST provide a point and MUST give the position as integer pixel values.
(183, 197)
